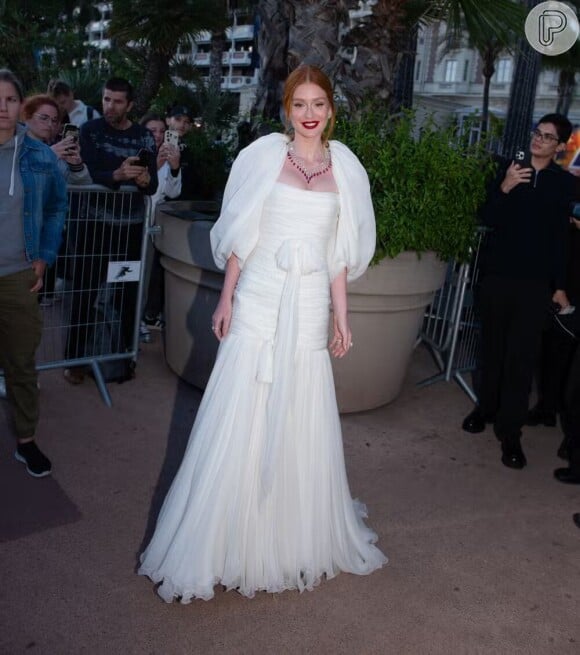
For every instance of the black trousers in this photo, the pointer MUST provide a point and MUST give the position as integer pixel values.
(571, 412)
(512, 314)
(555, 359)
(155, 291)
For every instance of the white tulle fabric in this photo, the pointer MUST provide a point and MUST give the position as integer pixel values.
(261, 500)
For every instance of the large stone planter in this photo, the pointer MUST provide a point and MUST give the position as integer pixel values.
(386, 307)
(192, 288)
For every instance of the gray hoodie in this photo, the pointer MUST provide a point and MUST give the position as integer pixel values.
(12, 253)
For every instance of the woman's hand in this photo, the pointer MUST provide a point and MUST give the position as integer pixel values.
(68, 149)
(221, 319)
(172, 154)
(341, 341)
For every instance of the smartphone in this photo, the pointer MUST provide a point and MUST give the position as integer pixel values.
(144, 156)
(523, 157)
(575, 210)
(69, 129)
(171, 137)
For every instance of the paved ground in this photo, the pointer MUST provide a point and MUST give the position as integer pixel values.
(482, 559)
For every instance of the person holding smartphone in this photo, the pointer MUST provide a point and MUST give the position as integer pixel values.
(110, 147)
(41, 115)
(169, 176)
(525, 270)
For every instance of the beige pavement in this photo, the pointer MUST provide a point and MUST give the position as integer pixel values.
(482, 559)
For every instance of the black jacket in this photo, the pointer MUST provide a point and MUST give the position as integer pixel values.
(530, 235)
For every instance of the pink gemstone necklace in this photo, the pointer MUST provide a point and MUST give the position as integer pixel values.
(310, 171)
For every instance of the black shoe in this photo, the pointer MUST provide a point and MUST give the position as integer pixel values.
(567, 475)
(576, 519)
(563, 449)
(512, 455)
(475, 422)
(37, 464)
(538, 416)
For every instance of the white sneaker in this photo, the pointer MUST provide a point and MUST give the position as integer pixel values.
(144, 333)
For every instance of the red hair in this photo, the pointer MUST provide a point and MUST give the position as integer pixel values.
(33, 103)
(306, 74)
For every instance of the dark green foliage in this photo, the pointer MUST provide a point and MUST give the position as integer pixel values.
(427, 184)
(212, 160)
(87, 84)
(39, 38)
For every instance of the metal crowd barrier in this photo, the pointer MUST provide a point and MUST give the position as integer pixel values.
(92, 297)
(451, 328)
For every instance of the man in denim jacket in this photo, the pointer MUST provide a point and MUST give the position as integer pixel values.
(32, 212)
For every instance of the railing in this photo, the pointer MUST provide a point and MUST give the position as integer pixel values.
(451, 328)
(92, 296)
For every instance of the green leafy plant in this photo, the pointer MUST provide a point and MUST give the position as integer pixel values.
(427, 182)
(211, 162)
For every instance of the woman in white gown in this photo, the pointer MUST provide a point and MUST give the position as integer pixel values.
(261, 500)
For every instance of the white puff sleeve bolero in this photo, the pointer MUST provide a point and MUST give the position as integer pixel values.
(251, 179)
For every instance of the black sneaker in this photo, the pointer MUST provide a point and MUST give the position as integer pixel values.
(37, 464)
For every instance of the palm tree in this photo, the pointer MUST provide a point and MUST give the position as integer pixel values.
(381, 43)
(489, 44)
(522, 94)
(567, 65)
(274, 26)
(156, 30)
(28, 28)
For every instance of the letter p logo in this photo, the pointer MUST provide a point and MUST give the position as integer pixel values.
(550, 23)
(552, 28)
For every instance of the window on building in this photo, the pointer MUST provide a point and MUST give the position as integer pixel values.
(503, 71)
(465, 70)
(451, 70)
(417, 70)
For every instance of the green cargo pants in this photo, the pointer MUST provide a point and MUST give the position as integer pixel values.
(20, 333)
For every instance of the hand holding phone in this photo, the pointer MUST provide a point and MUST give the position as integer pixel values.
(171, 137)
(70, 130)
(523, 158)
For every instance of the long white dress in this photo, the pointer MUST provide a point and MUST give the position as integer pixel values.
(261, 500)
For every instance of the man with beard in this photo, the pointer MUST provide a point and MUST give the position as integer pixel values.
(117, 152)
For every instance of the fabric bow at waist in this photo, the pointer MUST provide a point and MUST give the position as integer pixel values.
(297, 258)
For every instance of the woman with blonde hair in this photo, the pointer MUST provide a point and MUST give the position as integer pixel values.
(261, 501)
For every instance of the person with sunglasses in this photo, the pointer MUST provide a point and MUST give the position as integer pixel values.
(525, 270)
